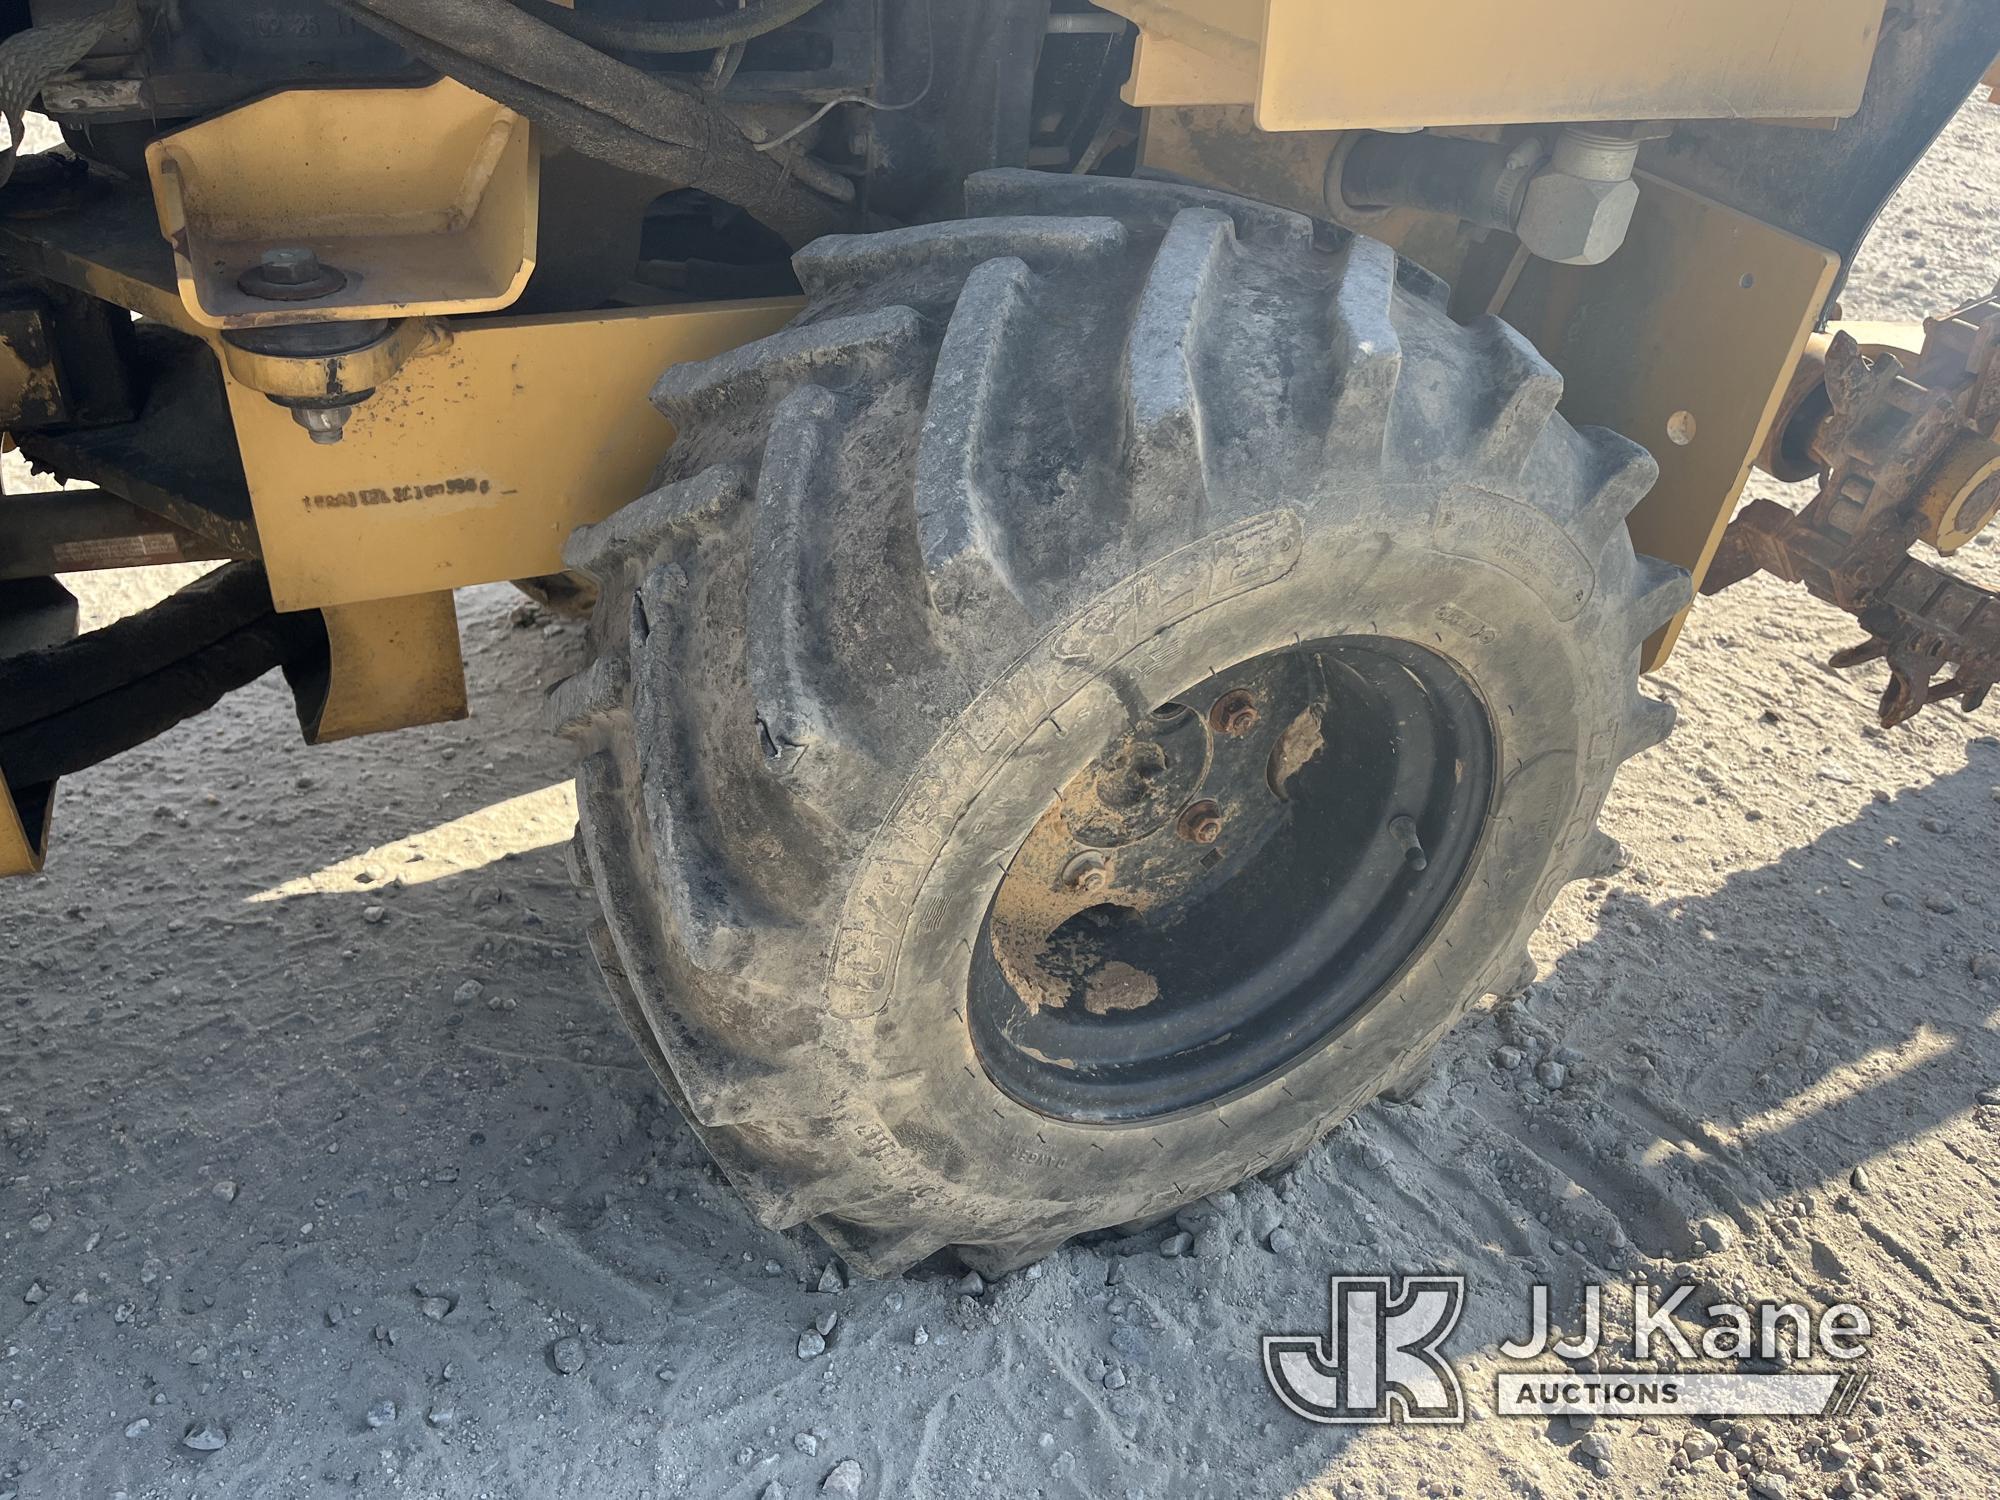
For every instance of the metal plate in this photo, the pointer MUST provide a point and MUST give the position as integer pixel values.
(477, 460)
(1316, 66)
(391, 664)
(1692, 329)
(34, 612)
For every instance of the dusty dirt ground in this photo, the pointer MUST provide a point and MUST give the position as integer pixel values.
(320, 1141)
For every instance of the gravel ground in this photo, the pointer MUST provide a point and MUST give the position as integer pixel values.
(326, 1166)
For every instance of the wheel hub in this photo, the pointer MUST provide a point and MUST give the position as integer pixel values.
(1214, 895)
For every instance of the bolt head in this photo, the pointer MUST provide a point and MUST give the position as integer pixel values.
(1201, 823)
(289, 265)
(1576, 221)
(324, 424)
(1234, 714)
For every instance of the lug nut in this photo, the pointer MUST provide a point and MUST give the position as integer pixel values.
(1234, 714)
(1404, 831)
(1086, 873)
(1200, 823)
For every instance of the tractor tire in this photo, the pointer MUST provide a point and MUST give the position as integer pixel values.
(1090, 705)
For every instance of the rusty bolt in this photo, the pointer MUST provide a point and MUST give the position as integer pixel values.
(1200, 822)
(1086, 873)
(1234, 714)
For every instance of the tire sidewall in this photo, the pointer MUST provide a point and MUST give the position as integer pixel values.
(1524, 627)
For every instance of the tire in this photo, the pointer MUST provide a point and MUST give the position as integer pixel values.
(919, 559)
(563, 595)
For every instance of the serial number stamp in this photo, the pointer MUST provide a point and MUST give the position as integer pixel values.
(398, 494)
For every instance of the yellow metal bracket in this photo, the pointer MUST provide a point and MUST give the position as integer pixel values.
(34, 612)
(475, 460)
(420, 200)
(1684, 341)
(392, 664)
(1311, 65)
(362, 369)
(21, 848)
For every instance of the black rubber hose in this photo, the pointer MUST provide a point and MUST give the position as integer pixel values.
(1436, 174)
(705, 34)
(72, 705)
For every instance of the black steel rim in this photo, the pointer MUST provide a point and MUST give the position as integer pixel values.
(1232, 881)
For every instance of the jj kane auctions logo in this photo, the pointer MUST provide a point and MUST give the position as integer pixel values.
(1381, 1358)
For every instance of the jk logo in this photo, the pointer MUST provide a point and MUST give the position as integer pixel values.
(1379, 1360)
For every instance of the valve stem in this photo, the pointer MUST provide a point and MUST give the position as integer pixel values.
(1403, 829)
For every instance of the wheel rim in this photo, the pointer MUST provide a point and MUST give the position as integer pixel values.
(1229, 883)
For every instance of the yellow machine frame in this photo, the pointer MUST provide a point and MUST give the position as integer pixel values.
(482, 441)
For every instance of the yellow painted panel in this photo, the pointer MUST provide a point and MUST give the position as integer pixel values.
(1353, 64)
(476, 461)
(392, 664)
(1168, 72)
(1474, 62)
(20, 851)
(1690, 331)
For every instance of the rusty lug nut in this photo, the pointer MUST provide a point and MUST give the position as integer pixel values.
(1200, 823)
(1234, 714)
(1086, 873)
(1404, 831)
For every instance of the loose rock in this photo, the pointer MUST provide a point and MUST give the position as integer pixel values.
(205, 1437)
(844, 1479)
(567, 1354)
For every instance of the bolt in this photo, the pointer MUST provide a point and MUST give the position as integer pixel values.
(290, 273)
(1200, 822)
(1086, 873)
(290, 265)
(323, 423)
(1404, 831)
(1234, 714)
